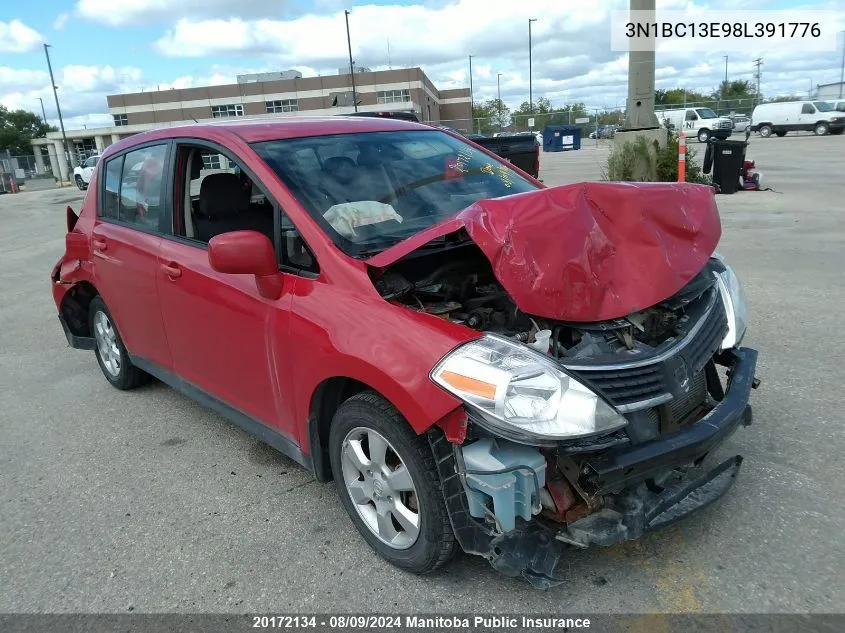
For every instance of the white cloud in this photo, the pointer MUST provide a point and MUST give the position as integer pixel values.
(82, 91)
(60, 21)
(17, 37)
(133, 12)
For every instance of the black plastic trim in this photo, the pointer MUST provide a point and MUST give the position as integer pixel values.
(249, 424)
(77, 342)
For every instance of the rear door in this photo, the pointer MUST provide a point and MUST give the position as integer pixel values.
(132, 215)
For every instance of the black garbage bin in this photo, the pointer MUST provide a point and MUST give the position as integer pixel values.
(727, 158)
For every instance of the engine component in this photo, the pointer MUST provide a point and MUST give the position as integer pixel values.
(503, 479)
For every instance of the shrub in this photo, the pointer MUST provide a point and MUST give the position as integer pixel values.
(642, 160)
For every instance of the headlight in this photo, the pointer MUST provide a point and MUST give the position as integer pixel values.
(734, 302)
(521, 394)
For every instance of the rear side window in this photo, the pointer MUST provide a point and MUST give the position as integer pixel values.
(808, 108)
(134, 187)
(111, 199)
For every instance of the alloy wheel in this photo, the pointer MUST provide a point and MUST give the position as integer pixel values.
(380, 487)
(106, 337)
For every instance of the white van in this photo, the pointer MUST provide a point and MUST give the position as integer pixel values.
(789, 116)
(699, 122)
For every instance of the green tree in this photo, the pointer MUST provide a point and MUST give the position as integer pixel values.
(542, 108)
(18, 128)
(677, 97)
(490, 116)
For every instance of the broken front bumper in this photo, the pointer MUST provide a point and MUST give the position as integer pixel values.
(534, 549)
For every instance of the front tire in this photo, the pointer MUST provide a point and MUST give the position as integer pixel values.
(820, 129)
(388, 484)
(81, 183)
(703, 136)
(765, 131)
(111, 353)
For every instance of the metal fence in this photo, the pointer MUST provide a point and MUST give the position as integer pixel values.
(24, 167)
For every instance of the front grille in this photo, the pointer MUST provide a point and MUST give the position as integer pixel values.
(682, 406)
(627, 386)
(652, 382)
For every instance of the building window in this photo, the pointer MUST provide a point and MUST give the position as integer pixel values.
(211, 161)
(120, 120)
(232, 109)
(282, 105)
(394, 96)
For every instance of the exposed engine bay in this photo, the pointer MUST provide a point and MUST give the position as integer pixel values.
(517, 504)
(457, 283)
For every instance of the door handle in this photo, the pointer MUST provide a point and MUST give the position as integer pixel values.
(172, 270)
(100, 244)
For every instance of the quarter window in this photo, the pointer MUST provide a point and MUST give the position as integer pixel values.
(134, 187)
(394, 96)
(282, 105)
(222, 111)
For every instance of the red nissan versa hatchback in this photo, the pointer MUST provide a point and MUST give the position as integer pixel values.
(476, 360)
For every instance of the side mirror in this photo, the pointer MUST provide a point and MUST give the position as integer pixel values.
(247, 253)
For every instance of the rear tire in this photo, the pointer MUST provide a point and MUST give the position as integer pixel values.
(821, 128)
(369, 442)
(81, 183)
(110, 351)
(765, 131)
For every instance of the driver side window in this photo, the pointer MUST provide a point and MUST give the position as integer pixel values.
(215, 195)
(691, 116)
(808, 108)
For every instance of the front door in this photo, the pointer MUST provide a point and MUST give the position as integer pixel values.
(125, 242)
(226, 339)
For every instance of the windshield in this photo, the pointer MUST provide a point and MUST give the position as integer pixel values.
(822, 106)
(372, 190)
(707, 113)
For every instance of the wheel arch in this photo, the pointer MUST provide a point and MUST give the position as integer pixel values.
(75, 307)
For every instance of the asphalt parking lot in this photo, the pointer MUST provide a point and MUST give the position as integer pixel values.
(115, 501)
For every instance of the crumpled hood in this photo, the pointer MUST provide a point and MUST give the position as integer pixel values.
(589, 251)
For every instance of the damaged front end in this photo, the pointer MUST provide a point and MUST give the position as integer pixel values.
(587, 420)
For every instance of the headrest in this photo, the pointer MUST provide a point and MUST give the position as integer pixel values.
(332, 164)
(369, 157)
(221, 195)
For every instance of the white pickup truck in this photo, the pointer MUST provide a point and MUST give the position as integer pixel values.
(82, 173)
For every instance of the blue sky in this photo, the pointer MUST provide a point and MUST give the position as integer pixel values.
(105, 46)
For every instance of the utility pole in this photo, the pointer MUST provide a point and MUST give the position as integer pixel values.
(530, 87)
(640, 106)
(757, 75)
(58, 108)
(499, 104)
(351, 65)
(43, 113)
(471, 99)
(842, 69)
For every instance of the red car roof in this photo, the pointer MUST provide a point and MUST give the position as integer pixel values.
(255, 130)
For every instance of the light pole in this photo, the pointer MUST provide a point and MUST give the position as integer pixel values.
(43, 113)
(499, 94)
(842, 69)
(351, 66)
(471, 99)
(58, 108)
(530, 87)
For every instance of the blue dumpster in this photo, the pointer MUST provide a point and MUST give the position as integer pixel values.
(559, 138)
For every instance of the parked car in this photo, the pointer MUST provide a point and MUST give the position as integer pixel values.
(791, 116)
(839, 106)
(405, 313)
(82, 173)
(741, 122)
(701, 123)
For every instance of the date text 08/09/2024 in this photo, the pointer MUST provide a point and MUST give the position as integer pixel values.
(421, 622)
(722, 29)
